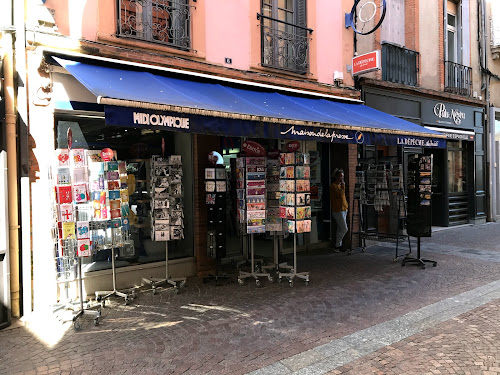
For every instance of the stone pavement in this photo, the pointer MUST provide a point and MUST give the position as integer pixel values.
(361, 314)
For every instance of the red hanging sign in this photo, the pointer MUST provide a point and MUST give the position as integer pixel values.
(293, 146)
(107, 154)
(70, 138)
(252, 148)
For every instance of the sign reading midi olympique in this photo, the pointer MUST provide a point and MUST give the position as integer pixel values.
(137, 118)
(366, 63)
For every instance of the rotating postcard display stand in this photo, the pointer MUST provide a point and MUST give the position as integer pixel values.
(91, 214)
(251, 194)
(295, 200)
(110, 226)
(419, 204)
(167, 215)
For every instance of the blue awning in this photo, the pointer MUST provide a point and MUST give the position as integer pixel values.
(145, 99)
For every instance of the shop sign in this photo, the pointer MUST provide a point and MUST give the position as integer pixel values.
(442, 112)
(366, 63)
(293, 146)
(155, 119)
(253, 148)
(273, 154)
(107, 154)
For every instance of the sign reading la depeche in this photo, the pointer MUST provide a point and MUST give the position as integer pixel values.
(366, 63)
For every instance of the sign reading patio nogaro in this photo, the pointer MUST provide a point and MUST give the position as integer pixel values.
(134, 117)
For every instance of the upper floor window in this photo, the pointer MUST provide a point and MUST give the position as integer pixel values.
(284, 35)
(451, 30)
(159, 21)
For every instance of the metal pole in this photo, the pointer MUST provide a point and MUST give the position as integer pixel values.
(252, 251)
(295, 251)
(113, 268)
(80, 281)
(166, 260)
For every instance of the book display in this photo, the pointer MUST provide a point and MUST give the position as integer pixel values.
(295, 203)
(167, 210)
(274, 221)
(419, 203)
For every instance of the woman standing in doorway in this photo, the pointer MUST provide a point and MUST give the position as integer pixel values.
(339, 207)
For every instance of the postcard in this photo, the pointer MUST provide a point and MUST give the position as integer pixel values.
(176, 233)
(300, 226)
(283, 212)
(111, 166)
(273, 212)
(300, 214)
(211, 198)
(66, 212)
(123, 182)
(257, 191)
(290, 226)
(114, 194)
(125, 210)
(240, 193)
(256, 184)
(63, 176)
(77, 157)
(241, 216)
(80, 175)
(64, 194)
(209, 173)
(93, 156)
(307, 225)
(289, 158)
(84, 248)
(256, 161)
(68, 230)
(124, 195)
(283, 185)
(256, 214)
(80, 194)
(175, 159)
(301, 199)
(220, 174)
(290, 172)
(283, 199)
(256, 228)
(273, 227)
(282, 158)
(161, 214)
(240, 162)
(221, 186)
(161, 235)
(307, 212)
(290, 213)
(283, 172)
(303, 185)
(303, 172)
(115, 213)
(256, 176)
(256, 206)
(62, 155)
(210, 186)
(290, 199)
(290, 186)
(256, 199)
(113, 185)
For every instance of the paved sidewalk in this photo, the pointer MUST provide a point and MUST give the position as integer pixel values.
(235, 329)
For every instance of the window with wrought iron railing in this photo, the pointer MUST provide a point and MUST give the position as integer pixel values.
(458, 78)
(284, 35)
(399, 64)
(158, 21)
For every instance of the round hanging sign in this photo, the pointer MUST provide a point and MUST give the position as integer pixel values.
(362, 14)
(107, 154)
(293, 146)
(253, 148)
(215, 158)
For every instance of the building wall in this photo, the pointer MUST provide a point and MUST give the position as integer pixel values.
(431, 44)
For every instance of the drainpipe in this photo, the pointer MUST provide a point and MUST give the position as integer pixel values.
(12, 180)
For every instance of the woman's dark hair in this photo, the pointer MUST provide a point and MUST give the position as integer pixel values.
(337, 172)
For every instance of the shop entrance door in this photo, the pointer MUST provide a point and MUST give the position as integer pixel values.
(458, 206)
(439, 188)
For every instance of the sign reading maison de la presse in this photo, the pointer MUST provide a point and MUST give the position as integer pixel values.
(133, 117)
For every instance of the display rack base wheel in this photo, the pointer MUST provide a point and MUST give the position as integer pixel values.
(176, 283)
(291, 275)
(96, 314)
(245, 275)
(102, 295)
(216, 277)
(418, 261)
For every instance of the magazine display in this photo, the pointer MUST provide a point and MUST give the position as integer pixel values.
(295, 192)
(216, 188)
(167, 215)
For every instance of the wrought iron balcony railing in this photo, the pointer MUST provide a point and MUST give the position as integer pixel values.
(458, 78)
(158, 21)
(399, 64)
(284, 45)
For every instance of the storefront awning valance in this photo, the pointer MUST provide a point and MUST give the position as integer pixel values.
(144, 99)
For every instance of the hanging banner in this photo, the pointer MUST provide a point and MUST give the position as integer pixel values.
(142, 118)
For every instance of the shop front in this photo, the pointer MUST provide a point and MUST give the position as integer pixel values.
(145, 117)
(458, 191)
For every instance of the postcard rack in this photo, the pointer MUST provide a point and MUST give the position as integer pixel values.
(379, 194)
(251, 194)
(295, 209)
(167, 215)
